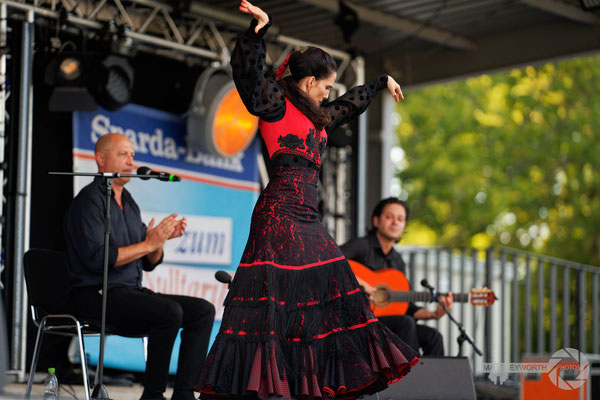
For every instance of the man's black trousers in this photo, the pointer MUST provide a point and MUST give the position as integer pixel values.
(142, 312)
(416, 335)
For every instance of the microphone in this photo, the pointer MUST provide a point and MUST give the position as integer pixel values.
(223, 277)
(426, 285)
(147, 173)
(434, 295)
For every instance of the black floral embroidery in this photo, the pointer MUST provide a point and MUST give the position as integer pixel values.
(310, 141)
(322, 145)
(291, 141)
(310, 138)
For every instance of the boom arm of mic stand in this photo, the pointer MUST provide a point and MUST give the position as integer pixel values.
(463, 333)
(107, 175)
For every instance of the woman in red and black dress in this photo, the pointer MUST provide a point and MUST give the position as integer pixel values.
(296, 324)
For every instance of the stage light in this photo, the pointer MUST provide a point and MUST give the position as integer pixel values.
(112, 82)
(67, 73)
(80, 84)
(218, 122)
(69, 70)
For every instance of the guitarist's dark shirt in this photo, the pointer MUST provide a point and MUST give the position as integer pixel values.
(367, 250)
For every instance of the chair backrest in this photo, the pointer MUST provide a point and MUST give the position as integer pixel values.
(47, 280)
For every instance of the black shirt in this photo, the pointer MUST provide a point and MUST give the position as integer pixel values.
(84, 234)
(367, 250)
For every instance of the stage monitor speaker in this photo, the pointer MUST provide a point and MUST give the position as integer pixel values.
(448, 378)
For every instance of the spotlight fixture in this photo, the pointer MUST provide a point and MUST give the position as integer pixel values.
(218, 122)
(67, 74)
(82, 82)
(66, 69)
(113, 82)
(69, 70)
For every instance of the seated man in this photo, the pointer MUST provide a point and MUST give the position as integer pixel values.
(132, 310)
(376, 251)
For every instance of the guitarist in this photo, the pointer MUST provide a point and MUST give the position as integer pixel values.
(376, 251)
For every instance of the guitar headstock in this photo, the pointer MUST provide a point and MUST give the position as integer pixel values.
(482, 297)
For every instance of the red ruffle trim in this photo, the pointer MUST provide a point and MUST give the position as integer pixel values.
(273, 384)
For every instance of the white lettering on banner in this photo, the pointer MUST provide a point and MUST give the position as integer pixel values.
(163, 147)
(187, 281)
(207, 240)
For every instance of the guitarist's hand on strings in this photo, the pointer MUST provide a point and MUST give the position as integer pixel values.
(447, 300)
(368, 289)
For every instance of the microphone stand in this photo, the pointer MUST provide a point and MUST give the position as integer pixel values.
(464, 336)
(100, 392)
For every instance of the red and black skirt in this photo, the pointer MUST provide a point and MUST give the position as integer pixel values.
(296, 325)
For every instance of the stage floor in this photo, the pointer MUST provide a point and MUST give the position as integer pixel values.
(14, 390)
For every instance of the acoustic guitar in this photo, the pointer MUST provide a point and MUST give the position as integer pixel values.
(393, 292)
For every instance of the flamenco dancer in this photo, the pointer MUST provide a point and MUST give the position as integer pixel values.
(296, 323)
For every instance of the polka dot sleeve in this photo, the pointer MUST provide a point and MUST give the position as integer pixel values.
(354, 102)
(263, 97)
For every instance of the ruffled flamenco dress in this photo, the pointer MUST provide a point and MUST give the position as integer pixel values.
(296, 324)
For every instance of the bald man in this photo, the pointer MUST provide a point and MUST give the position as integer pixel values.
(134, 247)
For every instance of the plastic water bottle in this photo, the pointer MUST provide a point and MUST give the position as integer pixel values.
(51, 386)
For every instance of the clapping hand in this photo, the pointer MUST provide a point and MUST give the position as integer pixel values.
(168, 228)
(180, 226)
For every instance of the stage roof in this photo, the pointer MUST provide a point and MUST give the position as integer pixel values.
(433, 40)
(417, 41)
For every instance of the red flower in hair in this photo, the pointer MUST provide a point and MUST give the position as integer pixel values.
(283, 67)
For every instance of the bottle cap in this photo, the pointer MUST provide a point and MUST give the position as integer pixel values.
(51, 370)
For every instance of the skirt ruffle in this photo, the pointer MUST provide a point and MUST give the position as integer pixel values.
(315, 338)
(334, 368)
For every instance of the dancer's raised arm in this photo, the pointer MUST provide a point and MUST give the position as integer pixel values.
(262, 97)
(356, 100)
(259, 15)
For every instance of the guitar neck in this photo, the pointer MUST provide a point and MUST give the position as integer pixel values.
(424, 296)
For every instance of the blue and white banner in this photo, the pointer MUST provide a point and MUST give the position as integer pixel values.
(216, 196)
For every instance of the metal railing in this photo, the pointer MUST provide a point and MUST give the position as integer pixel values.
(544, 303)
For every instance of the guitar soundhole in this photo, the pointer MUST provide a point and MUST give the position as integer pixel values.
(381, 297)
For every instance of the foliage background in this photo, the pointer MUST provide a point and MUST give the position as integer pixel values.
(511, 158)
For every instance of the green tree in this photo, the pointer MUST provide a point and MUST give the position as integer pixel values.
(511, 158)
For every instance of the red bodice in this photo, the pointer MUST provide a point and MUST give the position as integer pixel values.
(293, 134)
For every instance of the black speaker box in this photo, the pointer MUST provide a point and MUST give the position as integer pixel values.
(448, 378)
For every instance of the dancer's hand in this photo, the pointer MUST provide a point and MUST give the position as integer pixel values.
(394, 88)
(247, 8)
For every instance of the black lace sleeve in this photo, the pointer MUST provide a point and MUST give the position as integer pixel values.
(354, 102)
(263, 97)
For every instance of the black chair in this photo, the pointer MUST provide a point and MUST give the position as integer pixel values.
(47, 280)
